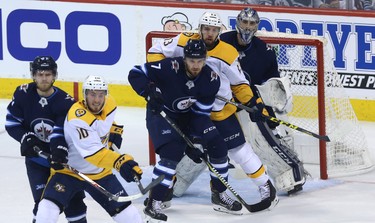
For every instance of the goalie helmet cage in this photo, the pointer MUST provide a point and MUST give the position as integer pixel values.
(320, 104)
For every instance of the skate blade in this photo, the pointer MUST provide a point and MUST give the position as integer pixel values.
(148, 219)
(224, 210)
(274, 203)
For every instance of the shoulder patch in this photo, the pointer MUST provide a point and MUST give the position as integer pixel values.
(214, 76)
(24, 87)
(80, 112)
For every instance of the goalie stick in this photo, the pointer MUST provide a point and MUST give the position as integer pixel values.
(260, 206)
(98, 186)
(276, 120)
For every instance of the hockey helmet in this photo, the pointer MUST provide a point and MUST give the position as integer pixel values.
(43, 63)
(247, 24)
(195, 48)
(210, 19)
(93, 82)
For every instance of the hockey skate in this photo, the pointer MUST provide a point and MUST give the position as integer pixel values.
(224, 203)
(153, 212)
(166, 203)
(268, 194)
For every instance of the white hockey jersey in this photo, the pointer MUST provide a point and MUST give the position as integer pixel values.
(223, 59)
(87, 137)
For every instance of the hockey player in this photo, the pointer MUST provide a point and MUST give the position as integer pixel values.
(188, 101)
(259, 63)
(35, 117)
(223, 59)
(87, 129)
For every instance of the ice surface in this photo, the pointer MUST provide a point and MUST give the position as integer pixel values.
(345, 199)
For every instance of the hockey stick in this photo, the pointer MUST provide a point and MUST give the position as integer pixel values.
(91, 182)
(263, 205)
(138, 182)
(276, 120)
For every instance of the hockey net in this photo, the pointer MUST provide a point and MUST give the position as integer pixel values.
(320, 104)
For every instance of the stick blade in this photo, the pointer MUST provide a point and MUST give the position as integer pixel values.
(127, 198)
(153, 184)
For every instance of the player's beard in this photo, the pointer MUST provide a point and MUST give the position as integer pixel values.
(96, 108)
(44, 88)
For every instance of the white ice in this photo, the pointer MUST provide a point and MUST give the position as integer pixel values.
(346, 199)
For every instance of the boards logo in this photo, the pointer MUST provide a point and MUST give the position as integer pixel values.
(76, 24)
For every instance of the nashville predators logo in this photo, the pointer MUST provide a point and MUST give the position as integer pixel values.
(80, 112)
(59, 187)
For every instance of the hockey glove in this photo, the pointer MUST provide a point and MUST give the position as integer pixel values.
(115, 136)
(128, 168)
(28, 142)
(58, 157)
(194, 154)
(154, 98)
(259, 110)
(270, 123)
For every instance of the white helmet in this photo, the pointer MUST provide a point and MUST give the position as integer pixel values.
(93, 82)
(210, 19)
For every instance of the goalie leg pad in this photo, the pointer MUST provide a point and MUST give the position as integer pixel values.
(187, 172)
(48, 212)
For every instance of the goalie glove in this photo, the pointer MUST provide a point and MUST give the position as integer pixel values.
(128, 168)
(59, 156)
(115, 136)
(259, 111)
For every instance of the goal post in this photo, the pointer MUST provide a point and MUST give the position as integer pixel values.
(320, 104)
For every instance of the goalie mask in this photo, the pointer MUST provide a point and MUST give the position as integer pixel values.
(94, 83)
(247, 24)
(42, 63)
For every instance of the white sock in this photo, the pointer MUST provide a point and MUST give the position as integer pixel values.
(48, 212)
(129, 214)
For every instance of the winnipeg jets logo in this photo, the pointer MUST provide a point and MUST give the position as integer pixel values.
(40, 186)
(43, 128)
(185, 103)
(166, 131)
(213, 76)
(43, 102)
(175, 66)
(190, 84)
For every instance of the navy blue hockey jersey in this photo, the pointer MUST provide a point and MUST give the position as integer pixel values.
(180, 94)
(45, 116)
(258, 61)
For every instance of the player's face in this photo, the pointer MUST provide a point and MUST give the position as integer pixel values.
(95, 100)
(248, 25)
(44, 80)
(194, 66)
(209, 34)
